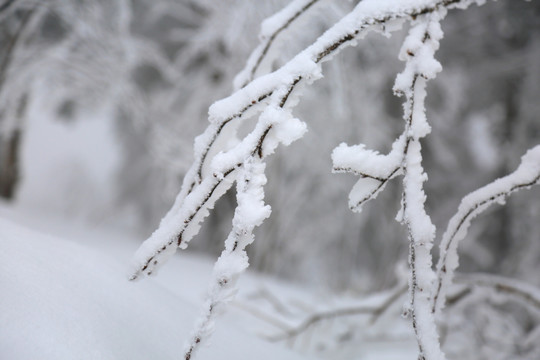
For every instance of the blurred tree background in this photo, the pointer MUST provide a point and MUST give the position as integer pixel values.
(100, 101)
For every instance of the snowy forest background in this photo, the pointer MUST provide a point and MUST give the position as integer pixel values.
(100, 102)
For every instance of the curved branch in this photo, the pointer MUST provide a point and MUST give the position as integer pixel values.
(279, 85)
(519, 290)
(330, 43)
(178, 231)
(375, 310)
(472, 205)
(176, 236)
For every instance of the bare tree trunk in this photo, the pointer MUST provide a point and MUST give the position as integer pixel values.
(10, 140)
(9, 164)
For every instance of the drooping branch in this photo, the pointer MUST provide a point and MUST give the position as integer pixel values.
(188, 210)
(525, 176)
(239, 105)
(275, 126)
(250, 213)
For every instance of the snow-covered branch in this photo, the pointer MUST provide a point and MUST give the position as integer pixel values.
(270, 29)
(405, 158)
(221, 158)
(250, 213)
(276, 125)
(418, 50)
(182, 222)
(374, 169)
(525, 176)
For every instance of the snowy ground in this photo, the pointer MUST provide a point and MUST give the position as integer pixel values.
(70, 299)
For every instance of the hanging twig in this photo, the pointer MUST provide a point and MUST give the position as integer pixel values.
(418, 50)
(250, 213)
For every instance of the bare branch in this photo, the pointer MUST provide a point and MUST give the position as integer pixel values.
(375, 310)
(6, 4)
(12, 45)
(525, 293)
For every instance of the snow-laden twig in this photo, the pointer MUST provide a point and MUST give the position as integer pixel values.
(201, 188)
(374, 169)
(275, 126)
(525, 176)
(250, 213)
(418, 51)
(270, 29)
(405, 158)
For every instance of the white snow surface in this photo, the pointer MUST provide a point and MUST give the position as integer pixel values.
(71, 299)
(66, 296)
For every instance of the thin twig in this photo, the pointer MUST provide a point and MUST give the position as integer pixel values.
(375, 310)
(525, 292)
(261, 51)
